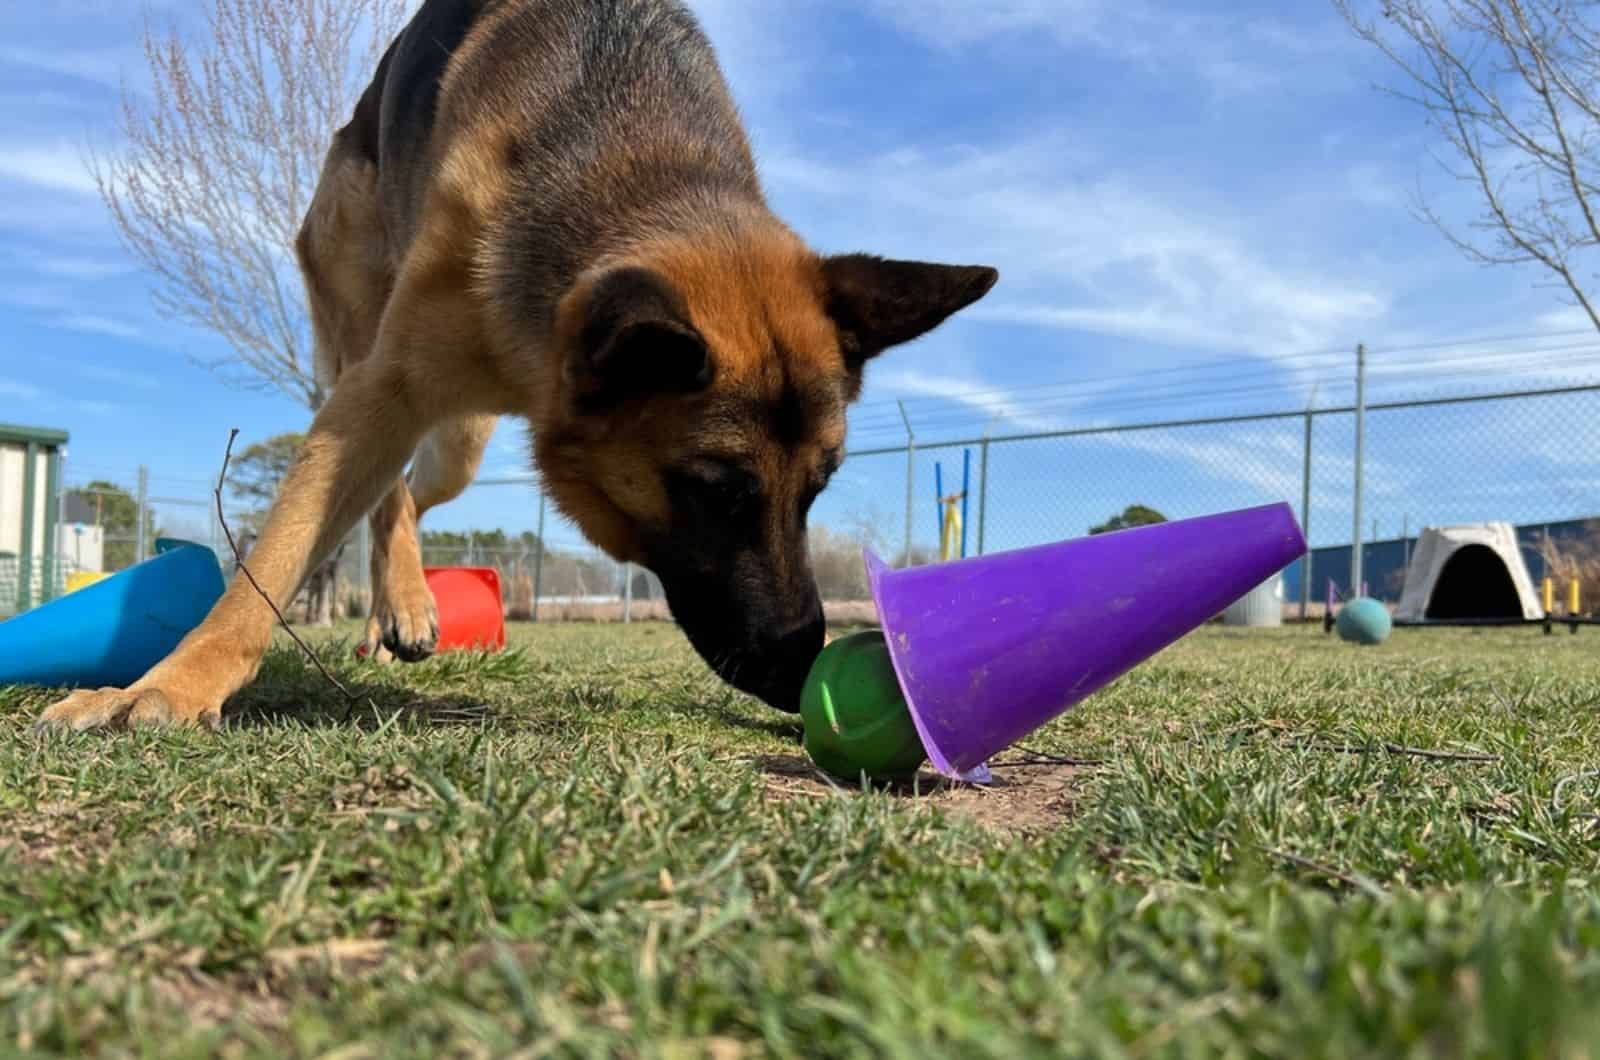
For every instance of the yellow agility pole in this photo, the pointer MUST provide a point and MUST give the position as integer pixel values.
(950, 539)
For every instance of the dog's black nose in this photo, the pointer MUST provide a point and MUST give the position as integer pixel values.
(784, 662)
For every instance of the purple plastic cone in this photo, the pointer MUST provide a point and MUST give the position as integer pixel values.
(991, 648)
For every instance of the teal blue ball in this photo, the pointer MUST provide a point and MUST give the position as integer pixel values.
(1363, 621)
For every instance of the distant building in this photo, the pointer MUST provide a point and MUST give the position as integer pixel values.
(30, 479)
(1384, 563)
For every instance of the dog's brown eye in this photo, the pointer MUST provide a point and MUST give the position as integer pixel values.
(733, 490)
(730, 489)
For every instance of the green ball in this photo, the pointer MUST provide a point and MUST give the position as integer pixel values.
(1363, 621)
(856, 718)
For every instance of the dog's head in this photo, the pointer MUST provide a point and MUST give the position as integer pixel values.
(701, 410)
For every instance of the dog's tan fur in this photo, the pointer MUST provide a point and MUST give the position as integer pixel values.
(422, 351)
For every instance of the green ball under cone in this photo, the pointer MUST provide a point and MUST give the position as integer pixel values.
(1363, 621)
(855, 716)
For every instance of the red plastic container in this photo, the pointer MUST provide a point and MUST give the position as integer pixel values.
(471, 616)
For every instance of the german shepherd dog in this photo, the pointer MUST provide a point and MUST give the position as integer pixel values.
(550, 209)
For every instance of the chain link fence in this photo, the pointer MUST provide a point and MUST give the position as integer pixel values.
(107, 523)
(1522, 458)
(100, 526)
(550, 574)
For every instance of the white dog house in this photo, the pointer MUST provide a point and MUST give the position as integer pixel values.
(1468, 573)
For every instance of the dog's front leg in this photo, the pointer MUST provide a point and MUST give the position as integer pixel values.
(357, 446)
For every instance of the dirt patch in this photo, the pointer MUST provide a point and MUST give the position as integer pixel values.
(1031, 798)
(208, 1002)
(205, 1002)
(55, 832)
(340, 957)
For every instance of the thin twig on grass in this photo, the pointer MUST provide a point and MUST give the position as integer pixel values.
(1365, 886)
(1027, 758)
(238, 558)
(1353, 748)
(1440, 756)
(1399, 749)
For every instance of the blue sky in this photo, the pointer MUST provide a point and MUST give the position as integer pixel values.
(1162, 185)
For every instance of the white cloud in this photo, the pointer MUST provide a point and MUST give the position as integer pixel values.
(24, 100)
(50, 213)
(1108, 255)
(59, 167)
(1373, 185)
(954, 23)
(1268, 463)
(1572, 318)
(12, 388)
(97, 408)
(1228, 54)
(78, 268)
(976, 396)
(94, 324)
(115, 376)
(102, 66)
(766, 51)
(34, 296)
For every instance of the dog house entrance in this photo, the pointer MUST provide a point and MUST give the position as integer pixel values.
(1474, 583)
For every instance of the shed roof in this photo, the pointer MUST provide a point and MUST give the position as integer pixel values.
(10, 432)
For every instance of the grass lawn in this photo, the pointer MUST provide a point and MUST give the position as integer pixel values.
(1272, 845)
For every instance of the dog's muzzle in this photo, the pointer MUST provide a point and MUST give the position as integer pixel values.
(772, 666)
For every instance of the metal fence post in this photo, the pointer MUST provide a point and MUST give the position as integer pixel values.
(627, 593)
(142, 515)
(52, 575)
(1305, 514)
(25, 556)
(214, 533)
(538, 560)
(1361, 429)
(983, 490)
(1371, 541)
(911, 474)
(966, 489)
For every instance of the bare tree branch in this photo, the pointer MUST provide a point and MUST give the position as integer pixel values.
(1513, 89)
(221, 161)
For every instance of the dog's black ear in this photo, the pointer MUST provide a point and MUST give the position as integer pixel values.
(636, 340)
(877, 303)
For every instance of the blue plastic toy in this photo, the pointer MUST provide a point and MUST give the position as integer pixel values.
(1364, 621)
(111, 632)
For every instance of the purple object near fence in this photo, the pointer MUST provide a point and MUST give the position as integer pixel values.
(989, 649)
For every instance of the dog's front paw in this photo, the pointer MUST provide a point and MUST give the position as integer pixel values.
(405, 625)
(131, 708)
(372, 646)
